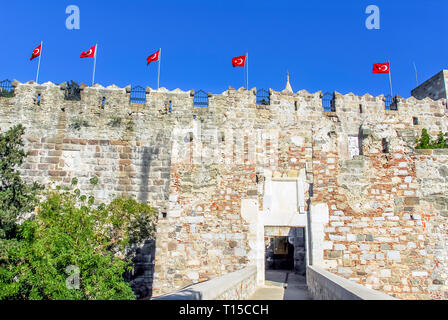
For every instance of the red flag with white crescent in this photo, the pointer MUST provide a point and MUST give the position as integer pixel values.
(36, 52)
(239, 61)
(154, 57)
(381, 67)
(89, 54)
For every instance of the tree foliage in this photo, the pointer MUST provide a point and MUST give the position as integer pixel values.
(70, 230)
(72, 248)
(427, 142)
(16, 197)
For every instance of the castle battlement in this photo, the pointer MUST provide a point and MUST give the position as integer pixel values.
(113, 96)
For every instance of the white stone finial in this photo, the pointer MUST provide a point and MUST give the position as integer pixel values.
(288, 88)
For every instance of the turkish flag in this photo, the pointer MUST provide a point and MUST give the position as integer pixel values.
(381, 67)
(153, 57)
(36, 52)
(89, 54)
(239, 61)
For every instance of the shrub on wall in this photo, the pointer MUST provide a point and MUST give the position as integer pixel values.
(115, 122)
(78, 123)
(427, 142)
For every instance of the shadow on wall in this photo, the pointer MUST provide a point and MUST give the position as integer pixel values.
(309, 244)
(154, 174)
(141, 278)
(186, 294)
(297, 237)
(146, 166)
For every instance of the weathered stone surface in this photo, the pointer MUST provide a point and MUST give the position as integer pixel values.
(387, 207)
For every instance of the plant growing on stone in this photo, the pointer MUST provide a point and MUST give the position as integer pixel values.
(77, 123)
(427, 142)
(442, 141)
(130, 126)
(115, 122)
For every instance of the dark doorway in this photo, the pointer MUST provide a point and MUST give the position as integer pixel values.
(287, 252)
(280, 254)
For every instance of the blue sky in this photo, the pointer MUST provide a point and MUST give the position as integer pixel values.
(324, 44)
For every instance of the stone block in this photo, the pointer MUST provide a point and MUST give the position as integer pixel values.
(334, 254)
(394, 255)
(172, 246)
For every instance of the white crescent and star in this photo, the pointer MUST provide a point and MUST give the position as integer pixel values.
(384, 68)
(36, 51)
(240, 61)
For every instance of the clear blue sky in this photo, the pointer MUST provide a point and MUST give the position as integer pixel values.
(324, 44)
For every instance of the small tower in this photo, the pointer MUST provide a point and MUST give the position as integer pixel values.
(288, 88)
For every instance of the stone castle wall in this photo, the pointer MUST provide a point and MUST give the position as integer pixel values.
(387, 208)
(378, 208)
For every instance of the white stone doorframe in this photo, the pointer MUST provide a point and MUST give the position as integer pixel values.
(283, 206)
(274, 214)
(262, 269)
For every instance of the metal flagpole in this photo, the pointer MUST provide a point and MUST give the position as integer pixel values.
(94, 65)
(38, 66)
(416, 73)
(247, 70)
(390, 81)
(158, 74)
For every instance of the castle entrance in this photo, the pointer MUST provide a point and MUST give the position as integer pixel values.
(285, 220)
(279, 254)
(285, 249)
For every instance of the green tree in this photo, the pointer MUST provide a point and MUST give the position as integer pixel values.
(69, 230)
(440, 143)
(16, 197)
(427, 142)
(70, 248)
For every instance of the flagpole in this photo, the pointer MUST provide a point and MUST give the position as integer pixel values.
(158, 73)
(390, 81)
(38, 65)
(94, 64)
(416, 74)
(247, 70)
